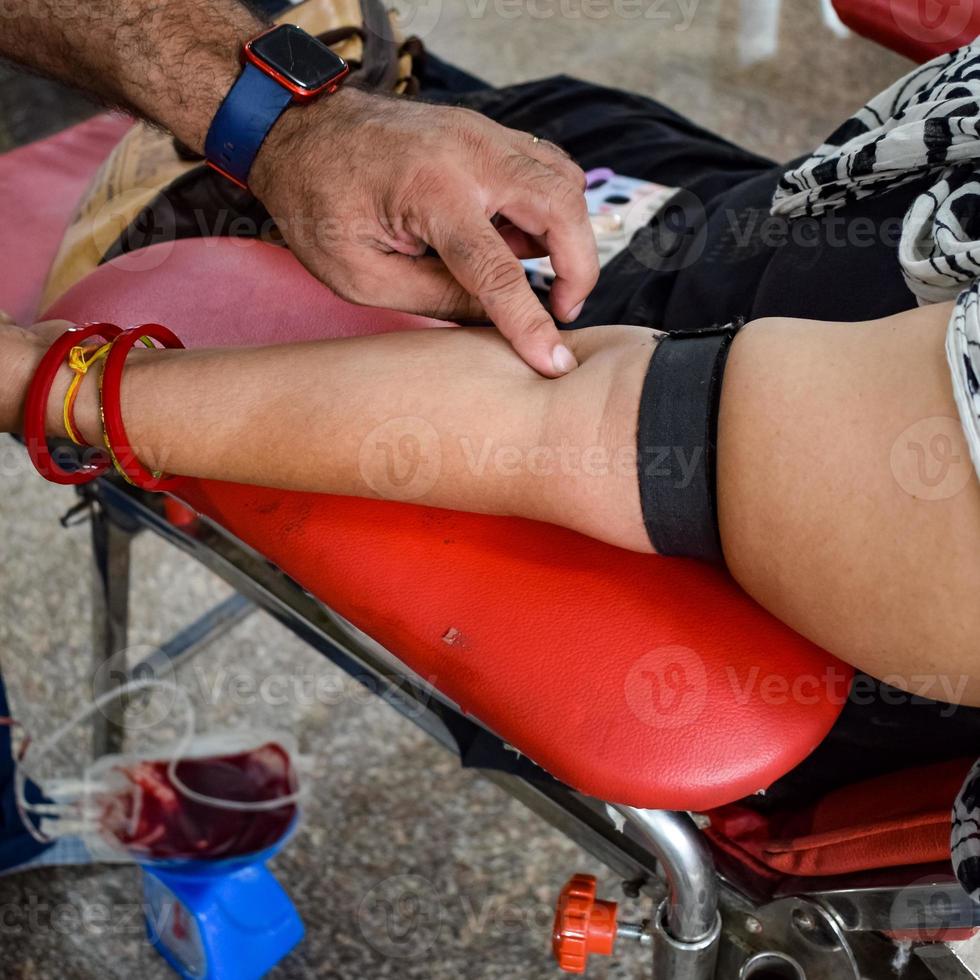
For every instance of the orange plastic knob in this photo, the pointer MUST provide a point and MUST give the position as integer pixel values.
(583, 925)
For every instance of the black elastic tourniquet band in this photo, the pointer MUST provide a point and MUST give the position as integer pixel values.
(676, 443)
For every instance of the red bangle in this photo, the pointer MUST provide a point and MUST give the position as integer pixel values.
(110, 388)
(94, 462)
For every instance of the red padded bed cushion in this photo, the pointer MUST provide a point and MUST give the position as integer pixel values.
(874, 824)
(562, 645)
(632, 678)
(40, 184)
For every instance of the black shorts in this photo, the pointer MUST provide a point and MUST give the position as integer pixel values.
(715, 254)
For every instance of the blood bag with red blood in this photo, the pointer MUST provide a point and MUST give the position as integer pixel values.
(202, 807)
(177, 795)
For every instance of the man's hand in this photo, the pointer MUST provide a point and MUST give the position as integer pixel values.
(362, 186)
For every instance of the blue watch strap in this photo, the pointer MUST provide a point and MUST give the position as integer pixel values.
(243, 121)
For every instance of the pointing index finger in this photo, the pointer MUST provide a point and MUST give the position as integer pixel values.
(486, 268)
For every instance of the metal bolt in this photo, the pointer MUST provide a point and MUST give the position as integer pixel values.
(637, 931)
(753, 925)
(804, 920)
(632, 889)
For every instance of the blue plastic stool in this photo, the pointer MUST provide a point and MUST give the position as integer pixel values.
(220, 920)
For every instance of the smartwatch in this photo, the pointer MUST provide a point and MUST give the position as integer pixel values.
(283, 66)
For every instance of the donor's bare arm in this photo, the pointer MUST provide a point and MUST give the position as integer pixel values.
(848, 503)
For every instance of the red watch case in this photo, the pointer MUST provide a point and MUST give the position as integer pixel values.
(300, 93)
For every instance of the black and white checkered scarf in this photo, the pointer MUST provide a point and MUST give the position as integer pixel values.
(926, 125)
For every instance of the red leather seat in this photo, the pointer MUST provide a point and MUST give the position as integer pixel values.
(40, 185)
(919, 29)
(635, 679)
(874, 824)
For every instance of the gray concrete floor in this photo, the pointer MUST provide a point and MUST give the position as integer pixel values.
(390, 813)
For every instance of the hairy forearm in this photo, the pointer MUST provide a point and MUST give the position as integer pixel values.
(169, 61)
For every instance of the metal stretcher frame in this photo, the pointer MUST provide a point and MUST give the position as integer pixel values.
(822, 930)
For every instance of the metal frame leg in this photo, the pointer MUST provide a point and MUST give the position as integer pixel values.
(110, 624)
(195, 637)
(686, 930)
